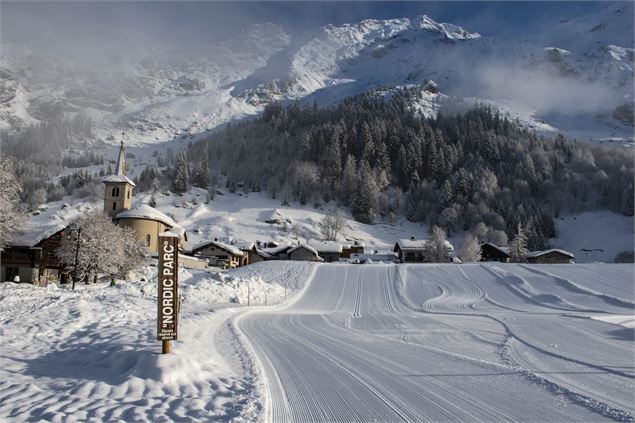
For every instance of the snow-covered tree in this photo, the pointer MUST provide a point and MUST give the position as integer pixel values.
(436, 250)
(201, 171)
(331, 225)
(39, 196)
(349, 180)
(470, 250)
(179, 184)
(518, 247)
(102, 247)
(364, 203)
(11, 216)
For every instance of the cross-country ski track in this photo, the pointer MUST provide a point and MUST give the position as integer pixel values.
(473, 343)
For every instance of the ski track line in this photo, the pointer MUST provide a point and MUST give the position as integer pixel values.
(589, 403)
(337, 346)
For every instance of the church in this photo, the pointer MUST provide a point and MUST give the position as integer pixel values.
(147, 222)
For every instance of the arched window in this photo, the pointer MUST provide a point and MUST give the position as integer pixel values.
(114, 191)
(114, 205)
(148, 238)
(128, 194)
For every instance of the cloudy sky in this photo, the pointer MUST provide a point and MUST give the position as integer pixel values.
(193, 22)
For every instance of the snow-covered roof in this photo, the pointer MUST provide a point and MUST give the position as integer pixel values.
(276, 250)
(47, 223)
(117, 178)
(326, 246)
(411, 244)
(243, 245)
(534, 254)
(306, 247)
(144, 211)
(233, 250)
(418, 244)
(264, 254)
(504, 250)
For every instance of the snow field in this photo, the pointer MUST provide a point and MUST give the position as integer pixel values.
(483, 342)
(92, 354)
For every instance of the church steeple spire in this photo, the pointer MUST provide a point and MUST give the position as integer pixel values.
(120, 170)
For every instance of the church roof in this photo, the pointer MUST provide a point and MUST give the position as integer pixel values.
(144, 211)
(118, 178)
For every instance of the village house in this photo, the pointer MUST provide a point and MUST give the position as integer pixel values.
(493, 252)
(329, 251)
(273, 251)
(33, 259)
(551, 256)
(303, 252)
(220, 254)
(414, 250)
(349, 248)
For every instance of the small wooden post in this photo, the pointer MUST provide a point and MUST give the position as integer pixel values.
(248, 293)
(165, 347)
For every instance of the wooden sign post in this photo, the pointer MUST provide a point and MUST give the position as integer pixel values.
(168, 298)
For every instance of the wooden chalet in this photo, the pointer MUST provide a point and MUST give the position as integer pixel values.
(552, 256)
(220, 254)
(33, 259)
(355, 247)
(303, 252)
(493, 252)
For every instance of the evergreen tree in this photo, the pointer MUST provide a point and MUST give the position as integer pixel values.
(179, 184)
(518, 248)
(364, 203)
(349, 180)
(201, 172)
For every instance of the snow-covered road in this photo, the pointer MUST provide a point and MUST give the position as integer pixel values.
(449, 343)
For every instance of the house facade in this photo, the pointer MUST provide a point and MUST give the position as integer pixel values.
(329, 251)
(34, 262)
(220, 254)
(303, 252)
(552, 256)
(493, 252)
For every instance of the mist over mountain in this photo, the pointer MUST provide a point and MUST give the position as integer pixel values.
(575, 78)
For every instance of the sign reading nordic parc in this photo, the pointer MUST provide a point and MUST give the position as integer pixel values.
(168, 305)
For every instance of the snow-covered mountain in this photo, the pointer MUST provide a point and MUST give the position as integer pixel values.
(576, 78)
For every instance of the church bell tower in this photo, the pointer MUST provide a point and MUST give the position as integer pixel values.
(118, 188)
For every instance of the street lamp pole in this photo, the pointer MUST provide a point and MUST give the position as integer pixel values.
(79, 232)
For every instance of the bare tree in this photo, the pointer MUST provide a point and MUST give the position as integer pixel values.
(331, 225)
(470, 250)
(11, 216)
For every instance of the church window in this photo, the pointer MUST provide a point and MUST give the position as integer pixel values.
(148, 238)
(114, 205)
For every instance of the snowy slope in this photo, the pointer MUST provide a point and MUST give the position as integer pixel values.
(444, 343)
(92, 354)
(353, 343)
(580, 71)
